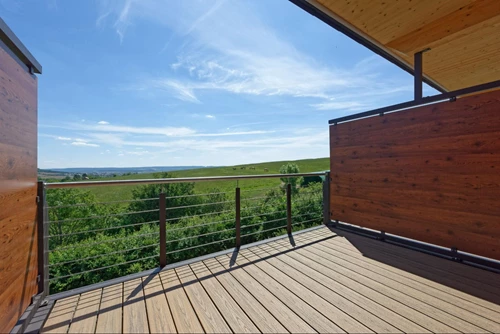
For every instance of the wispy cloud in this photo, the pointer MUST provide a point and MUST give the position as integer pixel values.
(82, 143)
(151, 131)
(210, 116)
(222, 54)
(63, 138)
(103, 123)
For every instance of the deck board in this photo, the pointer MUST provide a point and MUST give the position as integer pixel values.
(85, 317)
(260, 316)
(418, 282)
(110, 311)
(281, 311)
(229, 308)
(288, 296)
(159, 315)
(372, 315)
(318, 282)
(185, 318)
(486, 285)
(135, 318)
(207, 312)
(398, 303)
(350, 261)
(61, 315)
(363, 275)
(343, 320)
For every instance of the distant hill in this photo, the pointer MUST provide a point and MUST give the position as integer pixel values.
(116, 170)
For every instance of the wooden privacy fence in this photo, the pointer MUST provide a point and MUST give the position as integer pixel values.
(430, 173)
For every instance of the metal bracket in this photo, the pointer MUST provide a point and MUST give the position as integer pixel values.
(455, 256)
(44, 302)
(382, 236)
(453, 99)
(38, 199)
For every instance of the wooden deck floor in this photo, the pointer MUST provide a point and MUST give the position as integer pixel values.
(326, 283)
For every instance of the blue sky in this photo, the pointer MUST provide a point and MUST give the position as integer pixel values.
(149, 83)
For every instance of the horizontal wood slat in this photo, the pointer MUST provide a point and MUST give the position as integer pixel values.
(430, 173)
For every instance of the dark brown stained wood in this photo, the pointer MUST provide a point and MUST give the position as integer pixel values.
(18, 189)
(430, 173)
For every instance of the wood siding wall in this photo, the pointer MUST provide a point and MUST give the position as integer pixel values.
(18, 189)
(431, 173)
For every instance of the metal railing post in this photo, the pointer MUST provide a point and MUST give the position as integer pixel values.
(289, 208)
(43, 241)
(326, 199)
(163, 230)
(238, 217)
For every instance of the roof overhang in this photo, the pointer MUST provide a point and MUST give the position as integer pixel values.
(460, 38)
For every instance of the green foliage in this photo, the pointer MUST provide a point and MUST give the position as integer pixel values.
(291, 168)
(92, 242)
(306, 180)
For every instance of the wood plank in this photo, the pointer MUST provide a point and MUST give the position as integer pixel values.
(278, 309)
(227, 306)
(159, 314)
(261, 317)
(359, 308)
(135, 319)
(351, 262)
(18, 177)
(355, 244)
(427, 269)
(427, 173)
(329, 310)
(392, 311)
(464, 17)
(393, 300)
(185, 318)
(85, 317)
(110, 311)
(210, 318)
(60, 317)
(287, 294)
(458, 311)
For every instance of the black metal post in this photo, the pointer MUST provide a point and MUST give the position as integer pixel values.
(418, 75)
(45, 227)
(41, 240)
(238, 217)
(326, 199)
(163, 230)
(289, 208)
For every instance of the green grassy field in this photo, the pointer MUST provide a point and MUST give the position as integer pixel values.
(251, 187)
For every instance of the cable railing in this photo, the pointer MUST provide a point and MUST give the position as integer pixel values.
(166, 221)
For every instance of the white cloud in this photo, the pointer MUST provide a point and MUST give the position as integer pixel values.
(210, 116)
(222, 54)
(103, 123)
(63, 138)
(82, 143)
(151, 131)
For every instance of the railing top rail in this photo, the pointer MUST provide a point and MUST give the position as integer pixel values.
(172, 180)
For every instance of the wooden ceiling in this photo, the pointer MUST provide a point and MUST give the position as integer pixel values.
(463, 36)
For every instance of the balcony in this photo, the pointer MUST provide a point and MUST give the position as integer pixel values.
(271, 263)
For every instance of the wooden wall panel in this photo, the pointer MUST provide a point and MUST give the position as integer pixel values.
(18, 187)
(430, 173)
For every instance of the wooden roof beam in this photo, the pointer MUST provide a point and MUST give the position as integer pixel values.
(430, 34)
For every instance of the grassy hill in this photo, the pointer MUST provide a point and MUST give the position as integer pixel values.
(114, 193)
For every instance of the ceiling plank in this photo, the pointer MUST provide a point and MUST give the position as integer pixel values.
(462, 18)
